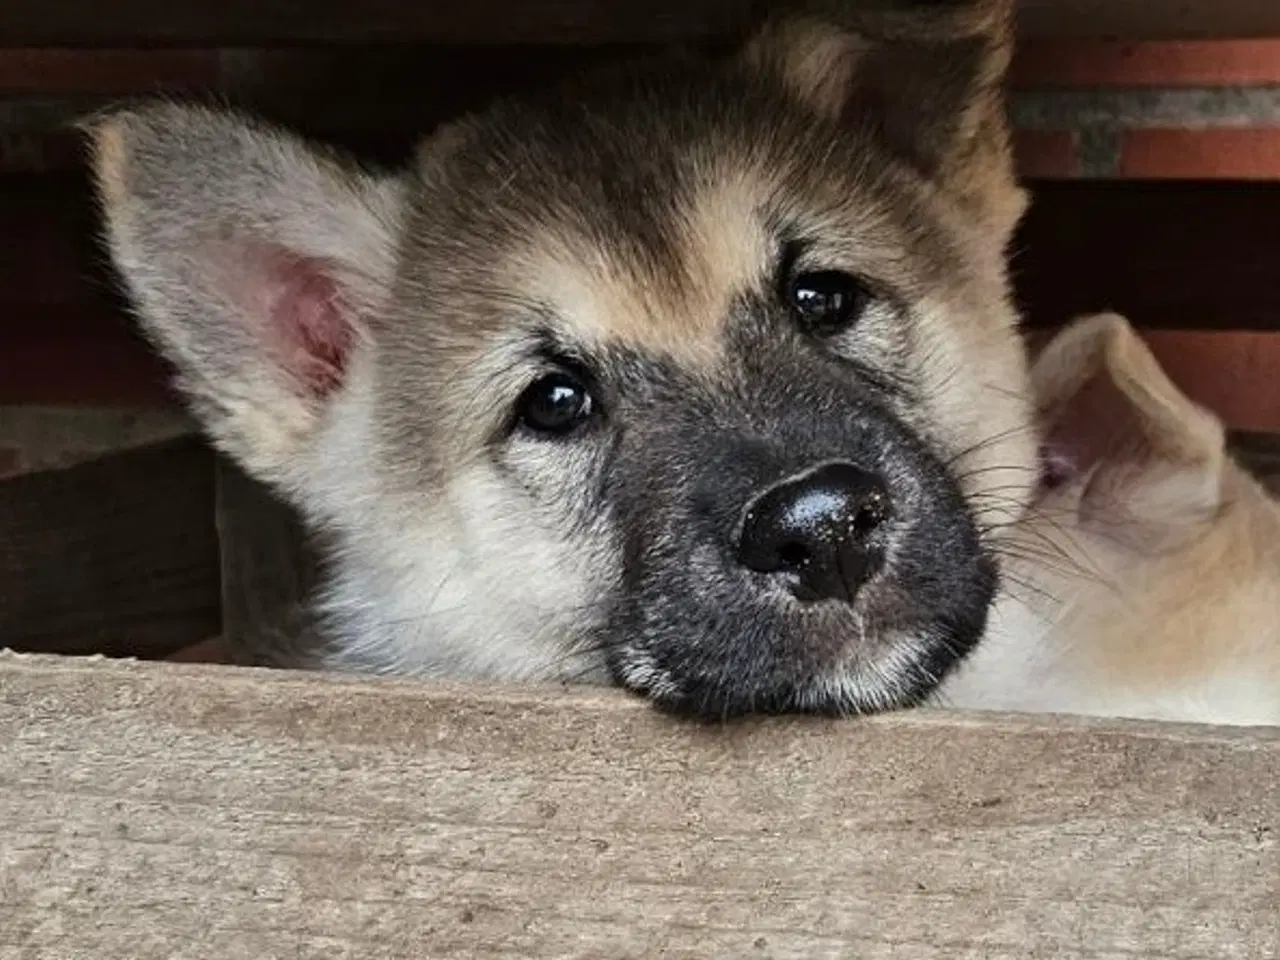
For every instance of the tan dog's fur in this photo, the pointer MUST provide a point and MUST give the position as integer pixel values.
(1148, 584)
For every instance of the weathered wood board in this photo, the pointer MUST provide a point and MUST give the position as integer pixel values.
(247, 22)
(268, 569)
(165, 812)
(118, 555)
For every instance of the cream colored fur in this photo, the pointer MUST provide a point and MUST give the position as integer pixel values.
(1147, 586)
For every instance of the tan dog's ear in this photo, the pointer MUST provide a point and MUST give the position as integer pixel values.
(926, 76)
(254, 261)
(1115, 421)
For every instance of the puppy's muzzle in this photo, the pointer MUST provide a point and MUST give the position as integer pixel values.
(820, 532)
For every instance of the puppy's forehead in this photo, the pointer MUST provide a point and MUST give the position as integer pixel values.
(667, 289)
(637, 211)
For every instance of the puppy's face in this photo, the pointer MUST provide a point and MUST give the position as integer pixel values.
(697, 375)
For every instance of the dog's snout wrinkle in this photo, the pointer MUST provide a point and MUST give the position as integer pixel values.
(821, 530)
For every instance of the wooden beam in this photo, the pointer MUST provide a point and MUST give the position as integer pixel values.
(1149, 19)
(145, 808)
(250, 23)
(1176, 256)
(1260, 454)
(268, 569)
(118, 555)
(517, 22)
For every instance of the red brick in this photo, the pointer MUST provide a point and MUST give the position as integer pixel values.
(1234, 374)
(1224, 154)
(45, 72)
(1045, 154)
(1164, 63)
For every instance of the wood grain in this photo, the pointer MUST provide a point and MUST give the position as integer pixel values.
(1149, 19)
(1260, 454)
(164, 812)
(246, 22)
(268, 568)
(1190, 256)
(118, 555)
(249, 23)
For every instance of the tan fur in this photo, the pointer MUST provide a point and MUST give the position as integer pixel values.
(110, 161)
(816, 64)
(722, 253)
(866, 67)
(1208, 606)
(1149, 587)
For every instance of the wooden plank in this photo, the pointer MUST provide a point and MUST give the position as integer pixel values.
(1187, 256)
(1260, 453)
(1149, 19)
(249, 23)
(35, 438)
(268, 569)
(246, 22)
(161, 811)
(118, 555)
(1233, 374)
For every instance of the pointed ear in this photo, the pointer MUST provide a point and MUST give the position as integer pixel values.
(925, 76)
(256, 263)
(1116, 423)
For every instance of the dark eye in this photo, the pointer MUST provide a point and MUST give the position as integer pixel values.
(555, 404)
(827, 302)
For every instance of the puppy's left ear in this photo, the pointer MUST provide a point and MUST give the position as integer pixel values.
(926, 77)
(1142, 448)
(257, 262)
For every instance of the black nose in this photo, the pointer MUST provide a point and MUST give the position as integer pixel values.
(819, 530)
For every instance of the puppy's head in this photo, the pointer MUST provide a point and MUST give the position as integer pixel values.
(697, 374)
(1146, 577)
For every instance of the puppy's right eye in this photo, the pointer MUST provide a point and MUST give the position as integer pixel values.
(555, 405)
(827, 302)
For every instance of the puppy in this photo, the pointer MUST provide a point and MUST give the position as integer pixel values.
(1146, 581)
(694, 374)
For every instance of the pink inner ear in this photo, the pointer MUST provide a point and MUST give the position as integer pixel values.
(309, 329)
(314, 325)
(1097, 422)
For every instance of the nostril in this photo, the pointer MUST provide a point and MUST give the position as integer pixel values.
(793, 555)
(870, 515)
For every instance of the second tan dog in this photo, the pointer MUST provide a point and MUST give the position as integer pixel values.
(1147, 583)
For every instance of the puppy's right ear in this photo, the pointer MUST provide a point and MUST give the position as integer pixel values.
(256, 262)
(926, 76)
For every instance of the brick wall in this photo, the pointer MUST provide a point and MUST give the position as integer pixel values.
(1159, 110)
(1174, 110)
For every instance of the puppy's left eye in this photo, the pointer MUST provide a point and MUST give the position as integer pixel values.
(827, 302)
